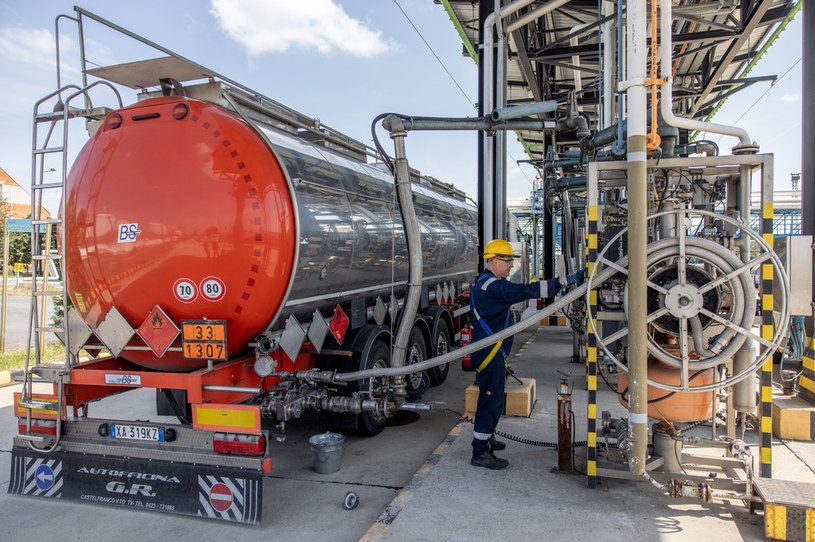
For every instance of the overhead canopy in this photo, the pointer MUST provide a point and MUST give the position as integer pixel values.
(713, 45)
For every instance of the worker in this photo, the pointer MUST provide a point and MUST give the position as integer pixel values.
(491, 297)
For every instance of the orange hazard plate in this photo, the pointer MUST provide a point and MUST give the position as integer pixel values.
(224, 417)
(204, 339)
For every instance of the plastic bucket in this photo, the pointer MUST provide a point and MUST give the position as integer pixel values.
(327, 451)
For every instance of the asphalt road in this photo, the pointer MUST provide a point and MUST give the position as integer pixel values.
(17, 321)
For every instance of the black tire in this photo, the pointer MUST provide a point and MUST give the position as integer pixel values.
(442, 340)
(417, 383)
(379, 356)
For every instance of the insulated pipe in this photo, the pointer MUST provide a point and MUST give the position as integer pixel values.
(404, 196)
(488, 160)
(577, 123)
(474, 123)
(500, 219)
(516, 111)
(618, 147)
(493, 22)
(536, 13)
(746, 355)
(608, 65)
(636, 25)
(666, 50)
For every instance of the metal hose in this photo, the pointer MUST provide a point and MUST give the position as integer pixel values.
(533, 319)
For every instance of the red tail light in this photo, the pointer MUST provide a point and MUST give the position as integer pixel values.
(237, 444)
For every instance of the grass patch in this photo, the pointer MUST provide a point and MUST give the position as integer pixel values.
(15, 359)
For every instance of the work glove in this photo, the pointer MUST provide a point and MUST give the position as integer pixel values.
(577, 278)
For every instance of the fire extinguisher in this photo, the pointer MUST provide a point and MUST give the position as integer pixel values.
(466, 337)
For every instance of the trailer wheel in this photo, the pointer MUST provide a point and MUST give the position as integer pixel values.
(442, 339)
(379, 357)
(417, 383)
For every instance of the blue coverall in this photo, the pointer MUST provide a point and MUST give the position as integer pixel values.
(490, 301)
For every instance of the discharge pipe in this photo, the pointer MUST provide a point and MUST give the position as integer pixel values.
(404, 196)
(666, 51)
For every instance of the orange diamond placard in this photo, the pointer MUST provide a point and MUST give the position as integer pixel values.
(158, 331)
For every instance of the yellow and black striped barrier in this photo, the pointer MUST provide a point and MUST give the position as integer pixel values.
(767, 326)
(591, 353)
(807, 381)
(789, 509)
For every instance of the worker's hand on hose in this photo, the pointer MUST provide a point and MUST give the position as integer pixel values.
(577, 278)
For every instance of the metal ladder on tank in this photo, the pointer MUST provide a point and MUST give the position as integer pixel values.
(44, 146)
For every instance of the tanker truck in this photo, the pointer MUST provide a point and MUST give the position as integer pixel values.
(228, 252)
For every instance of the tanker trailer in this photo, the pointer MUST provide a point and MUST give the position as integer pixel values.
(182, 210)
(229, 252)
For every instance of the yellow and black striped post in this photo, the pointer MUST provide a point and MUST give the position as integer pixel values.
(807, 381)
(591, 340)
(767, 325)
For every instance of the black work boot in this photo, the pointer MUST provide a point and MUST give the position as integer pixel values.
(489, 461)
(496, 445)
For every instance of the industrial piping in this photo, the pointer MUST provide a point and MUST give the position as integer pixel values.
(493, 22)
(666, 105)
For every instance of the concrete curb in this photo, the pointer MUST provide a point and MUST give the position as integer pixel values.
(5, 378)
(378, 530)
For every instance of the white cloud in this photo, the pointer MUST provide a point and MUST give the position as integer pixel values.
(793, 98)
(274, 26)
(33, 46)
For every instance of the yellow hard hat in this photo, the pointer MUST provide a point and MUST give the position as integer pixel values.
(498, 247)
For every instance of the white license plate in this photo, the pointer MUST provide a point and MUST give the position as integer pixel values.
(136, 432)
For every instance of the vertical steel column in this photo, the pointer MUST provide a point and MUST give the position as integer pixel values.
(592, 206)
(484, 142)
(767, 323)
(808, 139)
(637, 189)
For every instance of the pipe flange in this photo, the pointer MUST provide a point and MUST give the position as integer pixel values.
(684, 301)
(746, 148)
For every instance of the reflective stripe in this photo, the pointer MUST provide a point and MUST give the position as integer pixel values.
(482, 436)
(475, 313)
(488, 282)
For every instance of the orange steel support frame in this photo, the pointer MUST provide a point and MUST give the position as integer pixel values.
(88, 381)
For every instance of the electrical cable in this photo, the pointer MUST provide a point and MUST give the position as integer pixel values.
(435, 55)
(772, 85)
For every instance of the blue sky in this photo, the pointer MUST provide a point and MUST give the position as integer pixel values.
(342, 61)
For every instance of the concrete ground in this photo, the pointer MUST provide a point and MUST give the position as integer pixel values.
(415, 482)
(450, 500)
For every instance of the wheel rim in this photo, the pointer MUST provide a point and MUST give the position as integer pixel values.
(415, 355)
